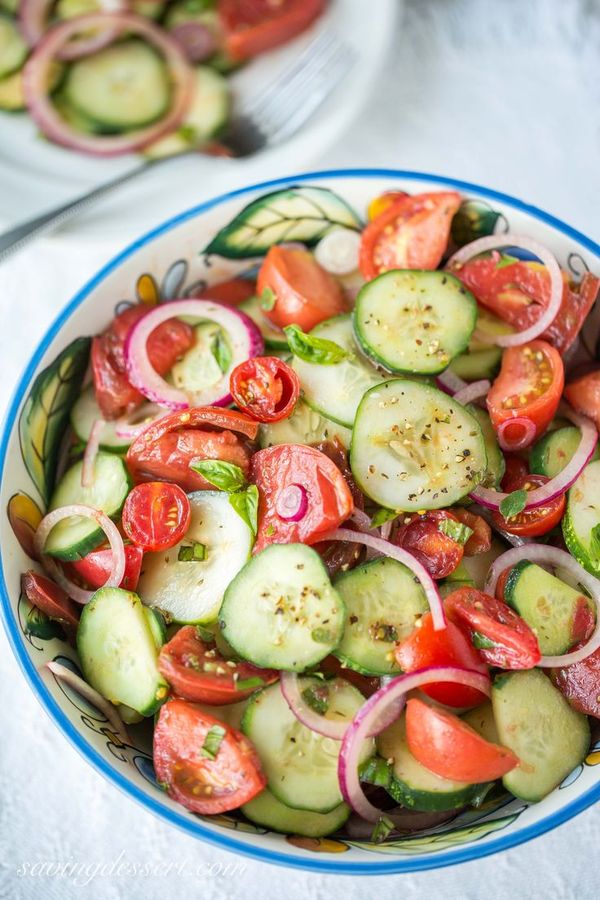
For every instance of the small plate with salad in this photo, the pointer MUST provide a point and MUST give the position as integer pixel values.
(302, 532)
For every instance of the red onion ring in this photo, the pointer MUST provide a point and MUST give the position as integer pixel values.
(144, 415)
(195, 39)
(552, 556)
(498, 241)
(450, 383)
(91, 452)
(473, 391)
(362, 521)
(62, 673)
(33, 23)
(111, 531)
(374, 711)
(246, 342)
(527, 433)
(292, 503)
(36, 78)
(387, 549)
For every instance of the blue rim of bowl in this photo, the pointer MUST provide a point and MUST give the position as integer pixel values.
(224, 841)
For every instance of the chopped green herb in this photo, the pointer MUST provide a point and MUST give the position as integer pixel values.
(481, 641)
(223, 475)
(314, 349)
(513, 504)
(377, 771)
(245, 504)
(317, 697)
(382, 829)
(455, 530)
(221, 351)
(212, 741)
(247, 684)
(205, 635)
(270, 531)
(382, 516)
(268, 299)
(195, 552)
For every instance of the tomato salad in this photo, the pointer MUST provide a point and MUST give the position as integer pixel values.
(345, 580)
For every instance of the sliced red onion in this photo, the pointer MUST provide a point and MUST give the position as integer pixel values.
(373, 713)
(386, 530)
(245, 341)
(91, 695)
(337, 252)
(36, 79)
(388, 549)
(91, 452)
(450, 383)
(33, 23)
(362, 521)
(473, 391)
(132, 425)
(498, 241)
(111, 531)
(196, 40)
(525, 436)
(292, 503)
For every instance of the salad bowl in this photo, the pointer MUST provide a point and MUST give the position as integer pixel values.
(172, 262)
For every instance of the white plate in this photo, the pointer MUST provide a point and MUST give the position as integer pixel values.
(36, 175)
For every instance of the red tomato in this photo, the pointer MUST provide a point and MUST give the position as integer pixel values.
(481, 539)
(530, 384)
(305, 294)
(532, 522)
(197, 671)
(265, 388)
(167, 343)
(580, 684)
(514, 645)
(450, 748)
(448, 647)
(187, 769)
(412, 233)
(95, 568)
(327, 500)
(584, 396)
(231, 292)
(383, 202)
(514, 473)
(366, 684)
(156, 515)
(255, 26)
(519, 292)
(50, 598)
(165, 449)
(422, 537)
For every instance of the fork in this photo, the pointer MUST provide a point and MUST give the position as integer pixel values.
(272, 116)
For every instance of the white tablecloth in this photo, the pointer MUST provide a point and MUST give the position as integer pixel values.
(504, 94)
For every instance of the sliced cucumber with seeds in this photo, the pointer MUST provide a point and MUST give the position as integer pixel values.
(83, 415)
(301, 766)
(383, 602)
(413, 447)
(555, 450)
(336, 390)
(13, 49)
(274, 337)
(414, 321)
(547, 604)
(496, 463)
(192, 591)
(265, 809)
(581, 522)
(118, 651)
(281, 611)
(304, 426)
(536, 722)
(75, 537)
(482, 720)
(480, 359)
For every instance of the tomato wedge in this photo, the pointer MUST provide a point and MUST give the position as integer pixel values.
(448, 647)
(202, 763)
(421, 536)
(481, 539)
(197, 671)
(156, 515)
(95, 568)
(412, 233)
(516, 469)
(584, 396)
(166, 448)
(265, 388)
(532, 522)
(232, 292)
(383, 202)
(255, 26)
(530, 385)
(502, 637)
(50, 598)
(580, 683)
(450, 748)
(321, 498)
(301, 291)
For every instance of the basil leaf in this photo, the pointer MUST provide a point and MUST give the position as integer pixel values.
(245, 504)
(195, 552)
(382, 829)
(317, 697)
(314, 349)
(382, 516)
(513, 504)
(376, 771)
(268, 299)
(223, 475)
(455, 530)
(212, 741)
(205, 635)
(221, 351)
(481, 641)
(246, 684)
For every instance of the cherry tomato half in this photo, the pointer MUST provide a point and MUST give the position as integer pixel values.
(513, 643)
(254, 26)
(530, 384)
(206, 776)
(448, 647)
(265, 388)
(412, 233)
(232, 292)
(584, 396)
(422, 537)
(95, 567)
(450, 748)
(580, 683)
(532, 522)
(516, 469)
(50, 598)
(156, 515)
(481, 539)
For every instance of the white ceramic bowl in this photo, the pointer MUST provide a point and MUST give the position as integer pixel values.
(168, 262)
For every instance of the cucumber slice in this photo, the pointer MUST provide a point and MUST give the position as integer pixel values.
(547, 604)
(415, 786)
(414, 321)
(199, 369)
(83, 415)
(496, 464)
(335, 391)
(281, 611)
(157, 626)
(413, 447)
(483, 722)
(274, 337)
(304, 426)
(12, 98)
(383, 602)
(118, 652)
(232, 714)
(75, 537)
(191, 592)
(581, 522)
(301, 766)
(459, 578)
(10, 6)
(478, 566)
(123, 86)
(265, 809)
(555, 450)
(13, 49)
(475, 364)
(536, 722)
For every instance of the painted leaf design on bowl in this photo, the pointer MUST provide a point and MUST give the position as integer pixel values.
(473, 220)
(24, 516)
